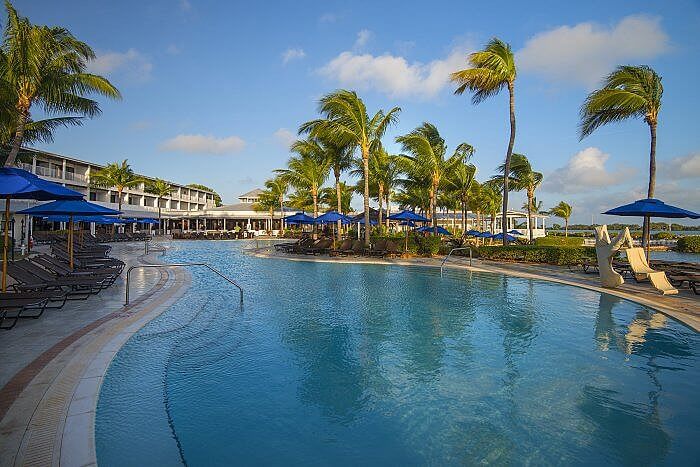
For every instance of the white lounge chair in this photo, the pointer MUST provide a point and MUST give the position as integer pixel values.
(661, 283)
(638, 263)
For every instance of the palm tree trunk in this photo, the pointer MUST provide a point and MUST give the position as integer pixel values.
(282, 212)
(464, 217)
(388, 207)
(365, 170)
(530, 196)
(160, 220)
(646, 230)
(19, 136)
(433, 207)
(380, 200)
(566, 227)
(506, 166)
(339, 199)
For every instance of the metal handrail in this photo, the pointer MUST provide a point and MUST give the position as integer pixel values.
(167, 265)
(450, 253)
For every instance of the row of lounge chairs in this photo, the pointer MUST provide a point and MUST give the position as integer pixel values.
(209, 235)
(348, 247)
(46, 281)
(49, 237)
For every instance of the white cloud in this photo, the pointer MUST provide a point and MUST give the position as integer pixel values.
(203, 144)
(293, 54)
(284, 137)
(585, 170)
(586, 52)
(682, 167)
(131, 64)
(172, 49)
(328, 18)
(394, 75)
(362, 38)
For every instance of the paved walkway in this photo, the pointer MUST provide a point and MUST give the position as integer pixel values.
(53, 366)
(685, 307)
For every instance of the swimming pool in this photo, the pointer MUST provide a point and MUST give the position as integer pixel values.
(357, 364)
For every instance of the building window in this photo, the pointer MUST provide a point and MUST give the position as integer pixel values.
(93, 196)
(113, 198)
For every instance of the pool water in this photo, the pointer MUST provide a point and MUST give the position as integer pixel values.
(339, 364)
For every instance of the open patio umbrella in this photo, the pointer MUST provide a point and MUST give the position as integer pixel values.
(651, 207)
(430, 229)
(499, 236)
(19, 184)
(332, 217)
(299, 218)
(515, 232)
(148, 220)
(472, 233)
(70, 208)
(483, 235)
(408, 223)
(407, 216)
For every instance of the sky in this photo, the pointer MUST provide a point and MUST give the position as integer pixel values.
(214, 92)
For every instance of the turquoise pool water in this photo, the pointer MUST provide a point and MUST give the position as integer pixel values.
(336, 364)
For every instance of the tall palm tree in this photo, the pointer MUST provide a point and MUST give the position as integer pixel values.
(267, 201)
(278, 186)
(160, 188)
(426, 159)
(491, 70)
(522, 177)
(563, 211)
(490, 201)
(459, 182)
(116, 175)
(46, 65)
(328, 196)
(627, 92)
(346, 122)
(309, 170)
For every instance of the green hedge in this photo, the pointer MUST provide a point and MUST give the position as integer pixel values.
(561, 255)
(428, 246)
(689, 244)
(663, 236)
(559, 241)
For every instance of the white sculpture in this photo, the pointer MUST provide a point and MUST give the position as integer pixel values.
(605, 250)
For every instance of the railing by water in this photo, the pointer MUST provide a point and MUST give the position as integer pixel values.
(168, 265)
(450, 254)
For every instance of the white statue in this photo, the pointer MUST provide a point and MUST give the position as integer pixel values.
(605, 250)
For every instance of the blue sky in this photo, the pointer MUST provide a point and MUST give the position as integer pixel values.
(213, 91)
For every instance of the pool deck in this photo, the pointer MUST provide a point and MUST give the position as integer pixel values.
(53, 366)
(684, 307)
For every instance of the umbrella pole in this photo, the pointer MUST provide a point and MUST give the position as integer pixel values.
(4, 244)
(70, 240)
(646, 236)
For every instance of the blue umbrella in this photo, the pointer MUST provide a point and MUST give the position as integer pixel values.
(499, 236)
(362, 221)
(483, 235)
(95, 219)
(649, 208)
(473, 233)
(70, 208)
(332, 217)
(406, 215)
(299, 218)
(19, 184)
(515, 232)
(408, 223)
(149, 220)
(430, 229)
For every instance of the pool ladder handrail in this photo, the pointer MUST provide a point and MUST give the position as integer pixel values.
(147, 247)
(168, 265)
(452, 251)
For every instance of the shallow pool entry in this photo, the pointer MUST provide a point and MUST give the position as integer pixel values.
(357, 364)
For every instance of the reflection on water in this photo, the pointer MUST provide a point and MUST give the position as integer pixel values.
(352, 364)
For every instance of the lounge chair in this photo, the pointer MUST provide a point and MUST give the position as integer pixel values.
(393, 249)
(638, 263)
(661, 283)
(27, 281)
(83, 280)
(322, 246)
(358, 249)
(344, 248)
(677, 278)
(61, 269)
(379, 248)
(15, 305)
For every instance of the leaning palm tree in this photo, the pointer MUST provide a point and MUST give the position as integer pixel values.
(46, 65)
(492, 69)
(426, 159)
(522, 177)
(278, 186)
(116, 175)
(627, 92)
(160, 188)
(309, 170)
(563, 211)
(346, 122)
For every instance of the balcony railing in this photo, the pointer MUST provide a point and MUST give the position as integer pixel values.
(75, 177)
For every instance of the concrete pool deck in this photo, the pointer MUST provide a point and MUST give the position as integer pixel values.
(684, 307)
(53, 366)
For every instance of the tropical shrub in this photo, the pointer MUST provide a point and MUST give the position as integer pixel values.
(559, 241)
(427, 246)
(663, 236)
(560, 255)
(689, 244)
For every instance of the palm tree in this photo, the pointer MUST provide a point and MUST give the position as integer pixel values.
(563, 211)
(309, 170)
(46, 65)
(116, 175)
(346, 122)
(426, 159)
(459, 182)
(492, 69)
(328, 196)
(267, 201)
(160, 188)
(627, 92)
(278, 186)
(522, 177)
(490, 201)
